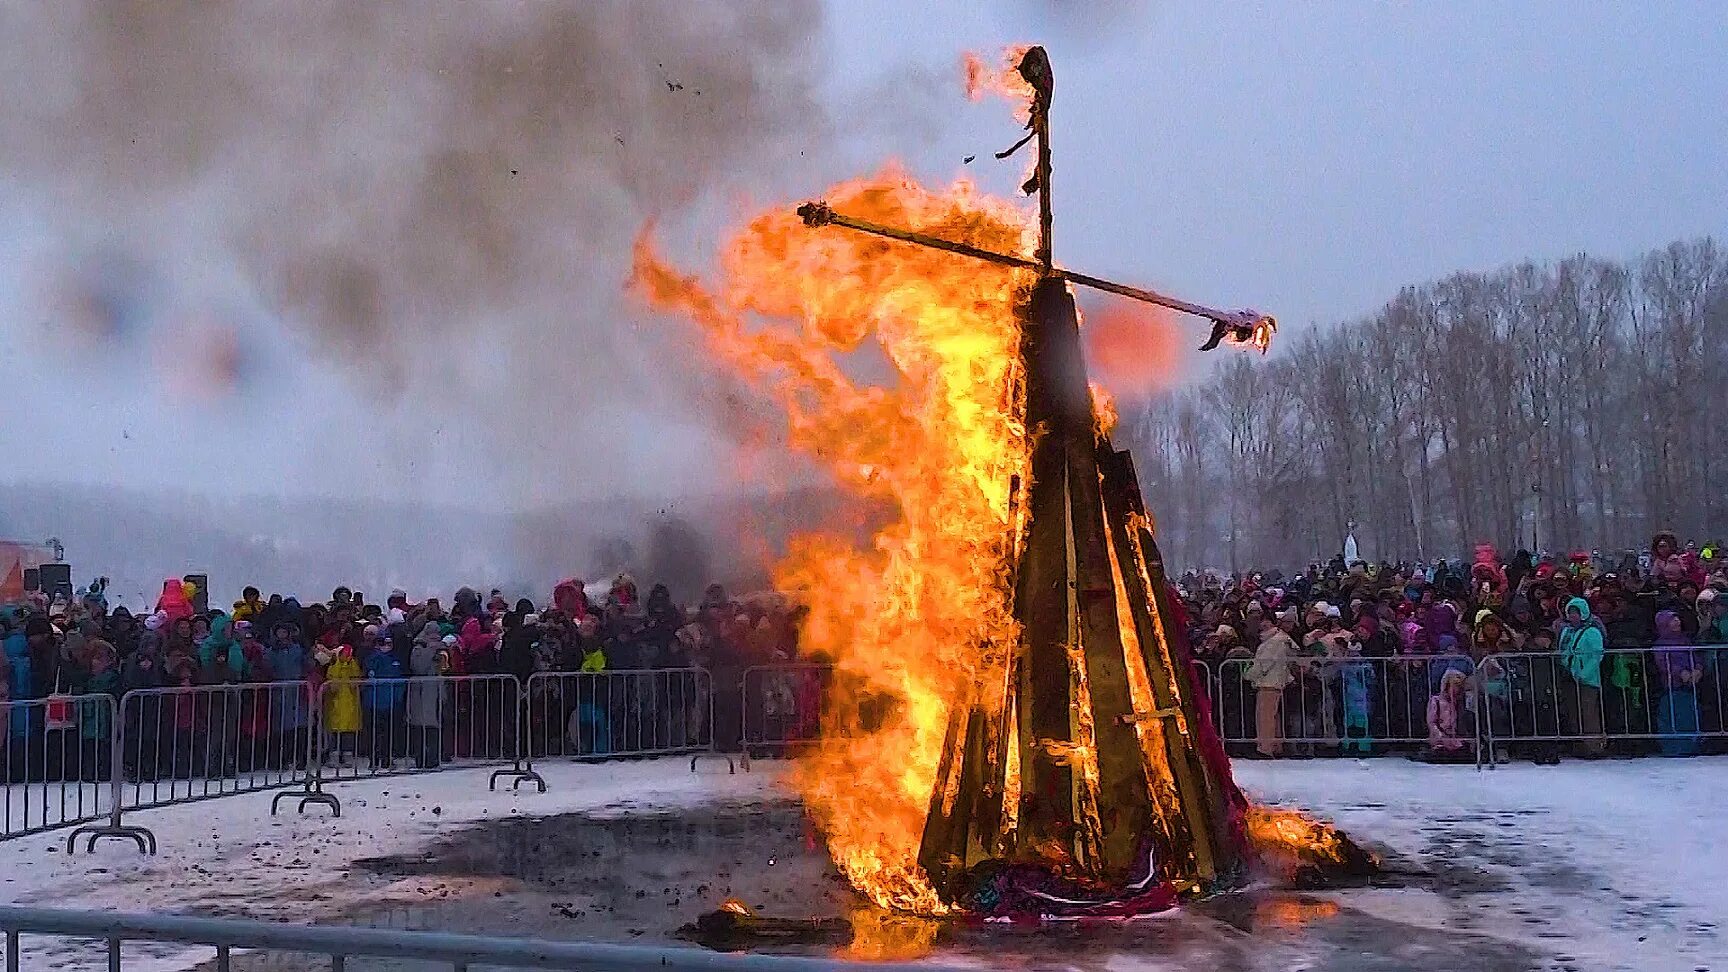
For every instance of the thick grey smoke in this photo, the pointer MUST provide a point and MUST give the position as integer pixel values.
(401, 178)
(427, 207)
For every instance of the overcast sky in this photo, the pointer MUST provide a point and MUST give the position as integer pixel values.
(1311, 158)
(1306, 159)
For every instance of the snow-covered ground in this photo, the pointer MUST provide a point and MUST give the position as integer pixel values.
(1587, 865)
(1618, 864)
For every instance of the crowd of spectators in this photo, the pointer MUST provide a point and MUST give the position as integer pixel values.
(76, 649)
(1592, 653)
(1599, 655)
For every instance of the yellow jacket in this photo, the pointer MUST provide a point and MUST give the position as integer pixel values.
(342, 696)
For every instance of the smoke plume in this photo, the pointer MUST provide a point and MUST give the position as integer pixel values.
(439, 197)
(419, 212)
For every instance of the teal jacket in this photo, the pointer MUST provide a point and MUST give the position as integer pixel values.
(220, 641)
(1581, 646)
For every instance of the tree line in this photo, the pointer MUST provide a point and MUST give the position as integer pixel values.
(1558, 406)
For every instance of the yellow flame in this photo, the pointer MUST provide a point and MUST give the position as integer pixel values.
(1290, 833)
(1001, 79)
(883, 936)
(920, 614)
(1104, 407)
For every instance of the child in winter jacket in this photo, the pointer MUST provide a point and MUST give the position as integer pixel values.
(1448, 740)
(342, 703)
(1681, 668)
(381, 700)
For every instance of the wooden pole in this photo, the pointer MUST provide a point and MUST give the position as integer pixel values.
(1241, 322)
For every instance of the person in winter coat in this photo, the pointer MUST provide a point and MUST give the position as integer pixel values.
(342, 704)
(662, 620)
(1491, 638)
(1450, 738)
(426, 698)
(593, 656)
(179, 710)
(174, 602)
(179, 640)
(19, 683)
(250, 607)
(1666, 561)
(1580, 646)
(1357, 680)
(1270, 673)
(476, 646)
(220, 655)
(382, 699)
(1680, 667)
(571, 600)
(521, 630)
(289, 704)
(95, 716)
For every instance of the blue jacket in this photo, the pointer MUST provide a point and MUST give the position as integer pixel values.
(1580, 645)
(18, 657)
(288, 706)
(390, 695)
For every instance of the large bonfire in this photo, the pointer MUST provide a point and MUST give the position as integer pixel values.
(919, 622)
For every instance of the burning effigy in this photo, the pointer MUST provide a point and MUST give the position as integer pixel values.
(1015, 730)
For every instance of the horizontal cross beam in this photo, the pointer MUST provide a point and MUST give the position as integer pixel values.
(1240, 326)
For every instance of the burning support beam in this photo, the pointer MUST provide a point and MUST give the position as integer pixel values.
(1104, 718)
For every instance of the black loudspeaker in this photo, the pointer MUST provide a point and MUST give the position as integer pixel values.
(200, 599)
(32, 579)
(54, 580)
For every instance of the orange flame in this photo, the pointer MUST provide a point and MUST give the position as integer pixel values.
(1289, 834)
(882, 936)
(1259, 336)
(1104, 407)
(1003, 80)
(1134, 348)
(914, 620)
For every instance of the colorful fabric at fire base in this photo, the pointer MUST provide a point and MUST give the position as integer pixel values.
(1029, 892)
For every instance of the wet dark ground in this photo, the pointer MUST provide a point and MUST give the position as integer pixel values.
(636, 875)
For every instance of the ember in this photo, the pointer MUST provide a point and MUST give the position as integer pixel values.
(1287, 840)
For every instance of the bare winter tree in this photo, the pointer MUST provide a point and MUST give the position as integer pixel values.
(1547, 407)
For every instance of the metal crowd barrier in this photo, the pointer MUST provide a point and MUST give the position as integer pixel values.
(782, 707)
(83, 761)
(621, 714)
(189, 743)
(1209, 685)
(1668, 695)
(111, 931)
(366, 728)
(57, 764)
(1344, 706)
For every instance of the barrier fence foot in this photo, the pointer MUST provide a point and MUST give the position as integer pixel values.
(731, 767)
(145, 839)
(322, 799)
(305, 797)
(517, 777)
